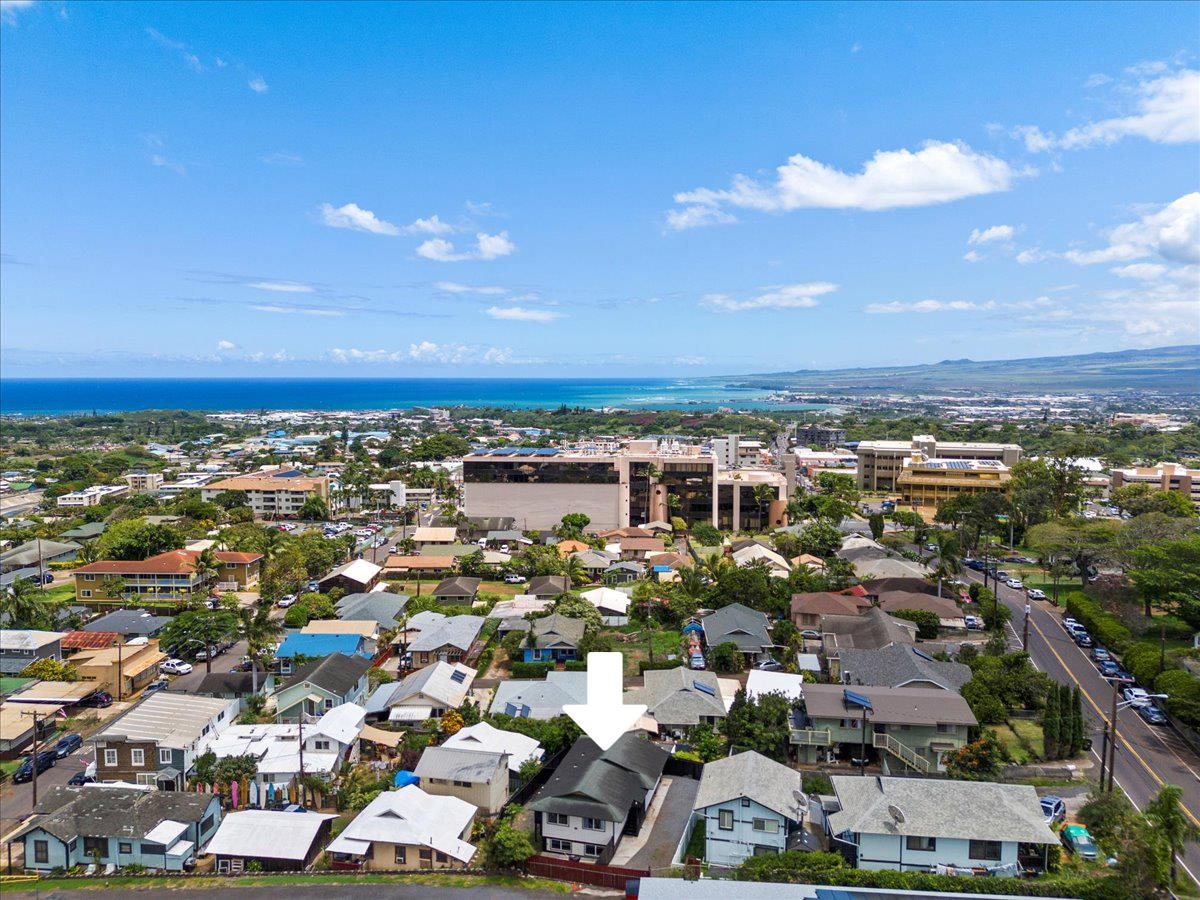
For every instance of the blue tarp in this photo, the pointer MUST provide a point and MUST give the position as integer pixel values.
(404, 778)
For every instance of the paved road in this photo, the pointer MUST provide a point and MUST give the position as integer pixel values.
(16, 800)
(1147, 757)
(222, 663)
(329, 891)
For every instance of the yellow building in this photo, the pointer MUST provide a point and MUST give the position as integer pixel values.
(929, 483)
(137, 664)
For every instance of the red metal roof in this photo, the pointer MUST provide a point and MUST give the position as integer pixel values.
(88, 640)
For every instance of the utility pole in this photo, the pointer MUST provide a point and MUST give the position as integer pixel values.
(41, 567)
(34, 758)
(120, 666)
(1025, 631)
(1112, 743)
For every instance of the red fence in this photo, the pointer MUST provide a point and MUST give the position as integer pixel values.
(612, 877)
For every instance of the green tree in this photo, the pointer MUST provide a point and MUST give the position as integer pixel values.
(308, 607)
(1171, 823)
(927, 622)
(260, 632)
(575, 607)
(876, 522)
(980, 760)
(235, 768)
(1078, 731)
(706, 743)
(762, 724)
(726, 658)
(572, 525)
(1168, 574)
(313, 509)
(946, 559)
(1052, 730)
(509, 847)
(821, 538)
(284, 573)
(25, 605)
(47, 669)
(194, 629)
(138, 539)
(231, 499)
(1139, 498)
(706, 535)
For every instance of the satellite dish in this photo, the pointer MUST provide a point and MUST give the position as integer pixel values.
(896, 813)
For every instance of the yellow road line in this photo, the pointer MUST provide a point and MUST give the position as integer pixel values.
(1104, 716)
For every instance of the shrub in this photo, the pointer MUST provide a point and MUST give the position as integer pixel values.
(530, 669)
(927, 622)
(1103, 626)
(644, 665)
(575, 665)
(1183, 695)
(1141, 660)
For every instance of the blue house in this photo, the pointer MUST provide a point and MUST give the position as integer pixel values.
(118, 825)
(555, 639)
(318, 646)
(750, 805)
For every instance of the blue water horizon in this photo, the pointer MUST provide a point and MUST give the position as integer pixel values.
(65, 396)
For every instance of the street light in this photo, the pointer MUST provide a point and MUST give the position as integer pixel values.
(1109, 748)
(1025, 630)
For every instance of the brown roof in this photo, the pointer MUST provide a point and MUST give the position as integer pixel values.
(651, 544)
(266, 483)
(892, 706)
(942, 607)
(671, 560)
(173, 562)
(88, 640)
(419, 562)
(228, 556)
(915, 585)
(821, 603)
(566, 548)
(627, 531)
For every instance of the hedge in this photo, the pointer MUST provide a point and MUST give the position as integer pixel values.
(575, 665)
(643, 664)
(1141, 660)
(1104, 627)
(1183, 695)
(530, 669)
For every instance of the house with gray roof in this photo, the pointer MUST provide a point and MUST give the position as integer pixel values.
(22, 647)
(548, 585)
(595, 562)
(555, 639)
(624, 572)
(738, 624)
(750, 805)
(322, 684)
(88, 531)
(871, 630)
(595, 797)
(118, 825)
(480, 779)
(130, 623)
(457, 589)
(679, 699)
(38, 553)
(900, 665)
(427, 693)
(915, 825)
(383, 607)
(539, 699)
(452, 640)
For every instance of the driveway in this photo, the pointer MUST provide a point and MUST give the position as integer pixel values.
(182, 684)
(663, 829)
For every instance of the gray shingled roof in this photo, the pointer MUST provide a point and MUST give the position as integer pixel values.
(672, 698)
(740, 624)
(602, 785)
(336, 673)
(890, 706)
(461, 765)
(68, 812)
(869, 631)
(549, 585)
(975, 810)
(898, 665)
(457, 631)
(558, 631)
(541, 699)
(457, 586)
(756, 777)
(130, 621)
(381, 607)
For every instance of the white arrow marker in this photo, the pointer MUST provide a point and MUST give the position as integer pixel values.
(604, 718)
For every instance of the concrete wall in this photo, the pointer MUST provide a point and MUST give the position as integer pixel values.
(488, 797)
(542, 506)
(886, 851)
(731, 848)
(383, 858)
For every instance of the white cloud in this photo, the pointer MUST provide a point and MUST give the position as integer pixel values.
(353, 216)
(10, 8)
(786, 296)
(283, 158)
(258, 84)
(1141, 271)
(428, 351)
(453, 287)
(939, 172)
(432, 225)
(973, 256)
(192, 60)
(1099, 79)
(226, 345)
(1172, 232)
(522, 314)
(284, 309)
(282, 287)
(157, 159)
(690, 360)
(1166, 111)
(487, 247)
(991, 234)
(927, 306)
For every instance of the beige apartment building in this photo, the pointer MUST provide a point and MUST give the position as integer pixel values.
(144, 482)
(1165, 476)
(646, 481)
(881, 462)
(926, 484)
(271, 496)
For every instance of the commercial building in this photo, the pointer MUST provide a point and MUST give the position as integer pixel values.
(881, 462)
(929, 483)
(646, 481)
(93, 496)
(270, 496)
(822, 436)
(1165, 476)
(144, 482)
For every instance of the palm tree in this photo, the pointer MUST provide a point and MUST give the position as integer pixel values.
(763, 495)
(206, 565)
(268, 542)
(715, 564)
(88, 553)
(573, 569)
(1171, 822)
(256, 627)
(23, 605)
(947, 561)
(691, 582)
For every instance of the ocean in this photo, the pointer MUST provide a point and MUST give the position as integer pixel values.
(60, 396)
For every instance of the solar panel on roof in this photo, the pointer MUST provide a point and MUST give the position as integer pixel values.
(547, 451)
(503, 451)
(526, 451)
(704, 688)
(852, 698)
(458, 675)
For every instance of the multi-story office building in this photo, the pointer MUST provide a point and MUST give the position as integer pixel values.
(272, 495)
(644, 482)
(1165, 476)
(824, 437)
(734, 451)
(929, 483)
(144, 482)
(881, 462)
(93, 496)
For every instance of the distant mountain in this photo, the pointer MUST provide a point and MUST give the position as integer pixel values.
(1169, 369)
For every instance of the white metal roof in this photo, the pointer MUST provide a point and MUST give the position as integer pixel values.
(412, 817)
(267, 833)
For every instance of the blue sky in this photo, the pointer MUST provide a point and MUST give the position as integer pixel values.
(591, 190)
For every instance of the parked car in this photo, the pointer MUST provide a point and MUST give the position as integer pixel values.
(1002, 575)
(696, 661)
(1079, 841)
(1120, 675)
(1151, 714)
(974, 623)
(514, 579)
(1070, 623)
(81, 778)
(155, 686)
(1109, 668)
(1082, 638)
(1136, 696)
(175, 667)
(45, 760)
(1100, 654)
(769, 665)
(975, 564)
(312, 587)
(97, 700)
(1054, 809)
(68, 744)
(1015, 584)
(287, 600)
(1035, 594)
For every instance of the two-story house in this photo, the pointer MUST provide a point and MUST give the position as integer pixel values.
(679, 699)
(595, 797)
(309, 646)
(555, 639)
(156, 742)
(406, 829)
(908, 727)
(750, 805)
(901, 665)
(917, 825)
(481, 779)
(23, 647)
(171, 575)
(322, 684)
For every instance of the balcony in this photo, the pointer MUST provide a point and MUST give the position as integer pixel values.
(811, 737)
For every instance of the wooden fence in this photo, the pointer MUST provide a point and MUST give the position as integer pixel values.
(611, 877)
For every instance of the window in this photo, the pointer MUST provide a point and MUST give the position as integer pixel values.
(401, 856)
(725, 820)
(441, 857)
(745, 801)
(922, 844)
(147, 778)
(767, 826)
(153, 849)
(89, 577)
(206, 824)
(320, 745)
(328, 703)
(85, 593)
(560, 846)
(125, 847)
(95, 845)
(41, 851)
(593, 824)
(425, 853)
(110, 757)
(164, 757)
(946, 729)
(137, 756)
(465, 784)
(558, 819)
(72, 844)
(592, 849)
(986, 850)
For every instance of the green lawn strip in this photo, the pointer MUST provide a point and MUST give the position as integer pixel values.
(203, 882)
(695, 845)
(1012, 744)
(1029, 733)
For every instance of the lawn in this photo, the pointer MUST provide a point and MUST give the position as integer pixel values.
(426, 585)
(695, 845)
(251, 881)
(61, 593)
(1022, 738)
(1012, 744)
(631, 641)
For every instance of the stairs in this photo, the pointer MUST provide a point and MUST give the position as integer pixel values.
(902, 752)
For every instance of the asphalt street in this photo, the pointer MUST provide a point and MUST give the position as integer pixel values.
(324, 891)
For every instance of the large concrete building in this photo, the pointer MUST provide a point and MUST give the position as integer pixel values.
(643, 482)
(881, 462)
(275, 495)
(928, 483)
(1165, 476)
